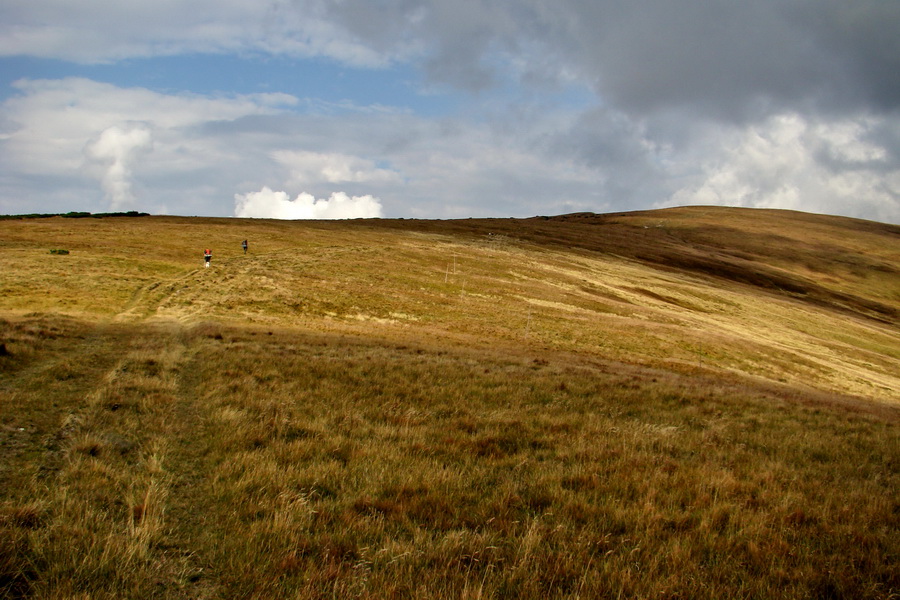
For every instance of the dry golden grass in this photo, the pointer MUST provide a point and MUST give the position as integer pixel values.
(578, 407)
(724, 290)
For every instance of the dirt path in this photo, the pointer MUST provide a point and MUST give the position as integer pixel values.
(147, 300)
(101, 461)
(52, 365)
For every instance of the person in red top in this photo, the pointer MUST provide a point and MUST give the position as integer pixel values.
(207, 255)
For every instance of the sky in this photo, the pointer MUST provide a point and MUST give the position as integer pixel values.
(438, 109)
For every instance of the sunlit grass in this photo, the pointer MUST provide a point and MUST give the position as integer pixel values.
(314, 465)
(421, 410)
(426, 278)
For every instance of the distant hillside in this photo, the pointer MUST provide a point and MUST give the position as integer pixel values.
(684, 403)
(785, 296)
(800, 254)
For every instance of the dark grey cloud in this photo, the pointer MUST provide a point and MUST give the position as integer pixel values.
(724, 59)
(736, 61)
(726, 63)
(860, 41)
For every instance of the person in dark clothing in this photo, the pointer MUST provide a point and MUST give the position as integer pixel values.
(244, 246)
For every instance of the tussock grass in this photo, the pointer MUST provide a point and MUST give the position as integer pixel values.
(446, 473)
(97, 484)
(422, 410)
(268, 463)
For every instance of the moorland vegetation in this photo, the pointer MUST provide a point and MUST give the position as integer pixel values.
(686, 403)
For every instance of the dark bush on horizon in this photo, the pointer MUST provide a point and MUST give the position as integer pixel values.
(77, 215)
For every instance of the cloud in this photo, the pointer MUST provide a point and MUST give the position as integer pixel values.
(733, 61)
(309, 167)
(103, 31)
(207, 148)
(728, 61)
(268, 204)
(792, 161)
(61, 137)
(565, 106)
(114, 152)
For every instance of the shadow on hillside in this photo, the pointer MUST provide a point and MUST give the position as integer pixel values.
(717, 252)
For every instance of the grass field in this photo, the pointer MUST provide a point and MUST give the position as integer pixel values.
(689, 403)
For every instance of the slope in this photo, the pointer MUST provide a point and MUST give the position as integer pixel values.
(566, 407)
(790, 298)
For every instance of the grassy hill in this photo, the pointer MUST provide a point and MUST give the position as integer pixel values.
(696, 402)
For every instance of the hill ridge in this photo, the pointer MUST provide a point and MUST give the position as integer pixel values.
(671, 287)
(526, 408)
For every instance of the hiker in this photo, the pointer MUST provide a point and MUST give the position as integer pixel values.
(207, 256)
(244, 246)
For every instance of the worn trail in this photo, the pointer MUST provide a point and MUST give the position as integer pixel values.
(101, 461)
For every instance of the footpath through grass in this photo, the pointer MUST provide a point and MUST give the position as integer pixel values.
(206, 461)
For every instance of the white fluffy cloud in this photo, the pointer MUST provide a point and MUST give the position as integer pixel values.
(790, 161)
(268, 204)
(308, 167)
(73, 134)
(113, 152)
